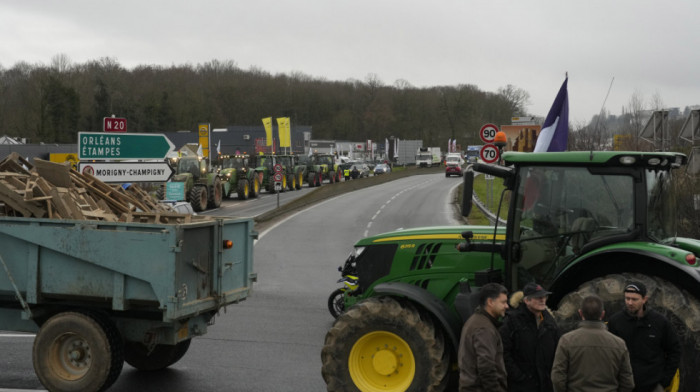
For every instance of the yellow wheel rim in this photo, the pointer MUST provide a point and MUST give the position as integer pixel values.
(301, 178)
(381, 361)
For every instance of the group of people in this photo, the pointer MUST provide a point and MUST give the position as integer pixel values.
(524, 350)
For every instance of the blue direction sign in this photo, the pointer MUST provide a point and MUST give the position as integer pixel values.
(106, 146)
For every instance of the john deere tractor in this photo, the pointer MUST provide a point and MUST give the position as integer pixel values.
(294, 171)
(578, 223)
(237, 176)
(202, 187)
(320, 167)
(263, 165)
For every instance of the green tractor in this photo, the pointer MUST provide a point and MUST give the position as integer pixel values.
(578, 223)
(237, 177)
(294, 171)
(203, 188)
(264, 169)
(320, 167)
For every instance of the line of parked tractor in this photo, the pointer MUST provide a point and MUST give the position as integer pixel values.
(245, 176)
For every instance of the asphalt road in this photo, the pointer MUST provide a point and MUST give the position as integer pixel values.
(273, 340)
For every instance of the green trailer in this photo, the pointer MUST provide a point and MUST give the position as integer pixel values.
(100, 293)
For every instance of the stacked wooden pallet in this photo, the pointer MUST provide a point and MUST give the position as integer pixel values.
(53, 190)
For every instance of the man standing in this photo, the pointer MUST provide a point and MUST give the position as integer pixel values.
(481, 367)
(530, 337)
(591, 359)
(653, 344)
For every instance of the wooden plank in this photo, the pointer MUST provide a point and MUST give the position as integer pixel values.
(57, 174)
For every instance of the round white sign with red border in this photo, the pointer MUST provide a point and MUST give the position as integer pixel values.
(488, 133)
(489, 153)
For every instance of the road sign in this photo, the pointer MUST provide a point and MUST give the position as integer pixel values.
(278, 187)
(489, 153)
(127, 171)
(278, 168)
(175, 190)
(488, 133)
(103, 146)
(114, 124)
(277, 177)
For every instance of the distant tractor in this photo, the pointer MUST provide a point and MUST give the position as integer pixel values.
(578, 223)
(203, 188)
(293, 170)
(320, 167)
(238, 177)
(263, 165)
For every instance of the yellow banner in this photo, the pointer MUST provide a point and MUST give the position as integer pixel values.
(267, 122)
(284, 131)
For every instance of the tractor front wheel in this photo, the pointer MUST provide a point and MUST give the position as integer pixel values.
(680, 307)
(300, 180)
(381, 344)
(216, 194)
(312, 179)
(243, 189)
(198, 198)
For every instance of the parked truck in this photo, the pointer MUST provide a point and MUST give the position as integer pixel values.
(428, 156)
(100, 293)
(578, 223)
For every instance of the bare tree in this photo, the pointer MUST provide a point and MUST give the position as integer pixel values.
(517, 97)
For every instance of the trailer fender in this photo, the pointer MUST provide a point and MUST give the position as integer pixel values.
(428, 301)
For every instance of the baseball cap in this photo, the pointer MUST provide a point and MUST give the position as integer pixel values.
(534, 290)
(636, 288)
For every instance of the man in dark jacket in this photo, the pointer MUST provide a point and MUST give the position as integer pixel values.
(653, 344)
(530, 337)
(481, 367)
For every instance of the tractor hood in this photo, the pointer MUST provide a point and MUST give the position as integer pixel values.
(433, 233)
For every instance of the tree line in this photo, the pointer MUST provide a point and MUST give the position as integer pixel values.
(50, 104)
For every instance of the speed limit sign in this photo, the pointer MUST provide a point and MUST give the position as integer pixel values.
(278, 168)
(489, 153)
(488, 133)
(277, 177)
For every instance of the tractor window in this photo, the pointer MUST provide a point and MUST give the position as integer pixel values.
(559, 210)
(661, 206)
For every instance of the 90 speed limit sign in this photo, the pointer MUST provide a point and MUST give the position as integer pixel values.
(489, 153)
(488, 133)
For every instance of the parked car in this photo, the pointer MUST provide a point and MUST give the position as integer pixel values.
(359, 171)
(453, 166)
(382, 168)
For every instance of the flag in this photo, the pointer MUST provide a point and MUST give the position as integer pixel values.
(386, 148)
(449, 145)
(218, 147)
(200, 153)
(555, 130)
(396, 147)
(284, 131)
(454, 145)
(267, 122)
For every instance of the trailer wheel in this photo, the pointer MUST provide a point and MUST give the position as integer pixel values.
(198, 198)
(383, 345)
(77, 352)
(680, 307)
(162, 356)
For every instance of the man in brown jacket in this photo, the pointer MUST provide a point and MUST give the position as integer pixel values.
(481, 366)
(591, 359)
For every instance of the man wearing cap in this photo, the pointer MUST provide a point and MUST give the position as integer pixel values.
(530, 337)
(651, 339)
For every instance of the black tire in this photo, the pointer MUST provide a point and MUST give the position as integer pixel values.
(254, 186)
(198, 198)
(406, 340)
(331, 177)
(336, 302)
(300, 180)
(162, 356)
(77, 352)
(243, 189)
(680, 307)
(312, 179)
(216, 195)
(291, 182)
(160, 193)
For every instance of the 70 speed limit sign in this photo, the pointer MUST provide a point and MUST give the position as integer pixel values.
(489, 153)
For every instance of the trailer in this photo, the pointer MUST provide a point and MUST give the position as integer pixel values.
(100, 293)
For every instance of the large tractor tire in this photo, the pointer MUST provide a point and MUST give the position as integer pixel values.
(381, 344)
(216, 195)
(162, 356)
(254, 186)
(300, 180)
(198, 198)
(331, 177)
(77, 352)
(243, 189)
(292, 182)
(680, 307)
(312, 179)
(160, 192)
(284, 183)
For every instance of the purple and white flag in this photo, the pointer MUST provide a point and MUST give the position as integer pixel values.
(555, 130)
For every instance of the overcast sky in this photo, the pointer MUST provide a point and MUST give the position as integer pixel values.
(649, 47)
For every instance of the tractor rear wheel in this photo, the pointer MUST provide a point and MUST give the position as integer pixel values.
(312, 179)
(300, 180)
(198, 198)
(381, 344)
(292, 183)
(216, 194)
(254, 186)
(243, 189)
(162, 355)
(679, 306)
